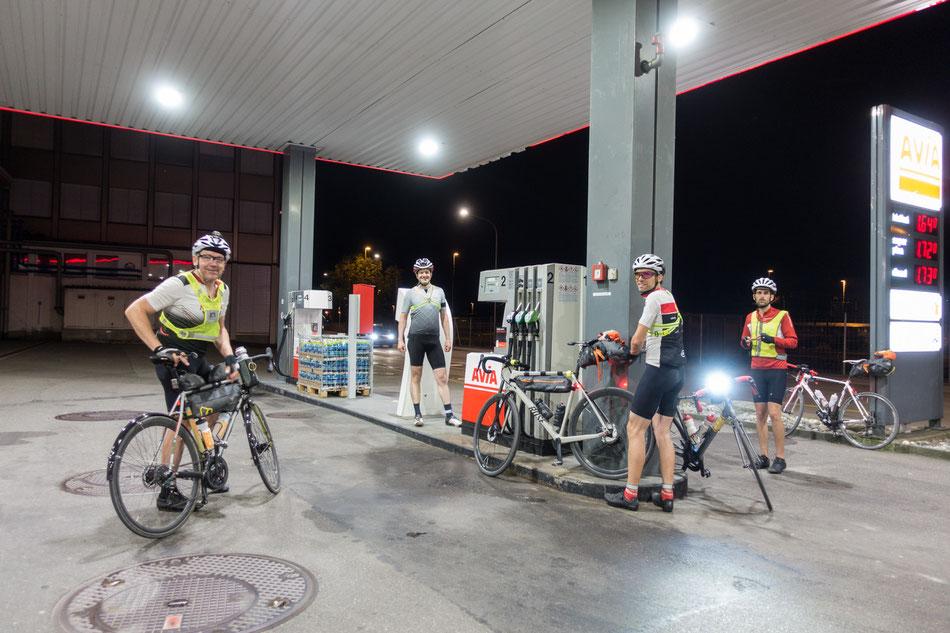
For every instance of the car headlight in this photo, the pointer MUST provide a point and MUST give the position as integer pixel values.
(718, 384)
(390, 336)
(374, 336)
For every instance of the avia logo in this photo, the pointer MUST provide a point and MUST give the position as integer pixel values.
(484, 377)
(922, 152)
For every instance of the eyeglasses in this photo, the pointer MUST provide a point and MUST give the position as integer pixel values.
(643, 274)
(211, 258)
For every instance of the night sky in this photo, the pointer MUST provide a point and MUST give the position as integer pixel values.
(772, 172)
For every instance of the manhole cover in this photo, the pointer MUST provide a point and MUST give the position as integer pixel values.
(98, 416)
(211, 592)
(93, 484)
(290, 415)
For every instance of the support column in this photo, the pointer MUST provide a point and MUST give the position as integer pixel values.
(297, 221)
(630, 190)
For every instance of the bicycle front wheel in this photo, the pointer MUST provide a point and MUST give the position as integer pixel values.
(869, 420)
(605, 456)
(263, 451)
(792, 409)
(750, 457)
(496, 434)
(149, 497)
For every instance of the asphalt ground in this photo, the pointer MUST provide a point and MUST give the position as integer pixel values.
(405, 536)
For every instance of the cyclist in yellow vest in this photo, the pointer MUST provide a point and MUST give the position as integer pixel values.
(768, 333)
(191, 308)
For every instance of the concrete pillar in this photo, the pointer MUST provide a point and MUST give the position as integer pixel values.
(297, 221)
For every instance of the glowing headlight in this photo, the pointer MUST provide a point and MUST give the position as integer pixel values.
(390, 336)
(374, 336)
(718, 383)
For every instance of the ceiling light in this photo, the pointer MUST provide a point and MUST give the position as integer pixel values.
(683, 32)
(168, 96)
(428, 147)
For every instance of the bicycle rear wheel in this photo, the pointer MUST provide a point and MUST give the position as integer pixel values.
(496, 434)
(792, 410)
(606, 456)
(140, 476)
(749, 457)
(870, 421)
(263, 451)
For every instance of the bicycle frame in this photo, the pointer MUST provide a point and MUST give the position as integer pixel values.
(803, 385)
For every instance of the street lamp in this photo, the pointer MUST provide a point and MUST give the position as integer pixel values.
(770, 272)
(844, 324)
(366, 249)
(375, 255)
(465, 213)
(843, 284)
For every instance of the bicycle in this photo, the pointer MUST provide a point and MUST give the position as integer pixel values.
(690, 456)
(155, 452)
(595, 425)
(866, 420)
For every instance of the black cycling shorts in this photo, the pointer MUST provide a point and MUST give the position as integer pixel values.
(657, 391)
(428, 346)
(770, 383)
(165, 373)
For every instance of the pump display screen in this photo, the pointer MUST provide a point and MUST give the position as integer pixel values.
(914, 248)
(926, 249)
(926, 276)
(926, 224)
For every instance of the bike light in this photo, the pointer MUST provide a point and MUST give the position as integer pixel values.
(718, 383)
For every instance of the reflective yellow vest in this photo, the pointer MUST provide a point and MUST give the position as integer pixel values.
(428, 299)
(756, 327)
(211, 327)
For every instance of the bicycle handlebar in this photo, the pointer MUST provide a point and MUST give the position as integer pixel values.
(802, 368)
(506, 361)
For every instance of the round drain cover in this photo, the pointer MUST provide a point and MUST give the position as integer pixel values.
(93, 484)
(290, 415)
(98, 416)
(230, 593)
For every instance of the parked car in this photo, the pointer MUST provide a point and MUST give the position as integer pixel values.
(383, 335)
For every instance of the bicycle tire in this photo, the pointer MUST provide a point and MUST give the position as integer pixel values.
(751, 457)
(495, 438)
(263, 450)
(608, 460)
(863, 432)
(133, 486)
(792, 411)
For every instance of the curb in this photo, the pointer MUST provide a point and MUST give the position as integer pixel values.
(532, 473)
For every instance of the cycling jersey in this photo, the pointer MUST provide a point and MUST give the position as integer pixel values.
(776, 323)
(425, 307)
(190, 319)
(664, 342)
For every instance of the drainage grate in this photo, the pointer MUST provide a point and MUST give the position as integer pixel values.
(92, 484)
(98, 416)
(222, 593)
(291, 415)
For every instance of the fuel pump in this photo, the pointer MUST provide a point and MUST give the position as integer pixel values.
(306, 319)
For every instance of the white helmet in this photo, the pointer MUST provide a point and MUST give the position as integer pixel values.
(764, 282)
(650, 262)
(422, 263)
(213, 242)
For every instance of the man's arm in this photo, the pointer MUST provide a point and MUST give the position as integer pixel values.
(639, 338)
(448, 332)
(789, 340)
(223, 343)
(745, 341)
(139, 314)
(400, 340)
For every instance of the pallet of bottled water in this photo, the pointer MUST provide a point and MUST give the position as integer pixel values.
(323, 365)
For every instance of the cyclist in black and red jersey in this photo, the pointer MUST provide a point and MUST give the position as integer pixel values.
(659, 337)
(768, 333)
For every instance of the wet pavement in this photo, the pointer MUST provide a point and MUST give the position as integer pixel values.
(403, 535)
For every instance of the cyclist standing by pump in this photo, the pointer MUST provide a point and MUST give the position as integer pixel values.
(191, 309)
(768, 333)
(659, 336)
(426, 303)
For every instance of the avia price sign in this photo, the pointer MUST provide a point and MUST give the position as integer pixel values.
(907, 253)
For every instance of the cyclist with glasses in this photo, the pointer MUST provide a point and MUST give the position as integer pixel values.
(426, 303)
(768, 332)
(191, 308)
(659, 336)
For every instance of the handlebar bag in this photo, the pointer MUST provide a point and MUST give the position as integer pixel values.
(545, 384)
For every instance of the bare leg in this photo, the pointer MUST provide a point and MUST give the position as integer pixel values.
(636, 447)
(762, 427)
(778, 428)
(664, 443)
(442, 383)
(415, 381)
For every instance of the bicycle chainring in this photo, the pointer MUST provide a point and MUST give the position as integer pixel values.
(216, 473)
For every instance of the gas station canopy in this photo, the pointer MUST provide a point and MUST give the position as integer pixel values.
(365, 81)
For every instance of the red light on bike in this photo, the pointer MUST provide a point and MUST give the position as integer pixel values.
(622, 384)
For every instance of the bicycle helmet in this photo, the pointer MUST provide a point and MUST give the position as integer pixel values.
(650, 262)
(212, 242)
(421, 264)
(764, 282)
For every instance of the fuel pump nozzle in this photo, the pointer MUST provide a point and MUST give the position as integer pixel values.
(532, 323)
(512, 331)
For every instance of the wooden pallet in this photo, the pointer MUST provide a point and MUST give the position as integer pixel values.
(320, 392)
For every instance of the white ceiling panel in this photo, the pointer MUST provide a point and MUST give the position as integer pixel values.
(364, 80)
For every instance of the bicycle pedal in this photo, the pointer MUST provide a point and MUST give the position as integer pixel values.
(557, 462)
